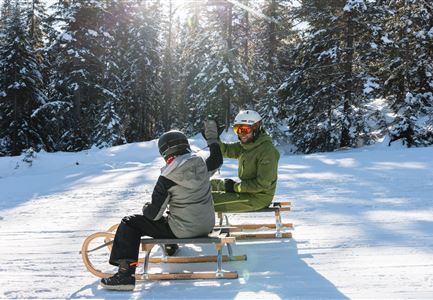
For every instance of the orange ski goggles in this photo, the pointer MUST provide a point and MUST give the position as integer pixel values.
(243, 129)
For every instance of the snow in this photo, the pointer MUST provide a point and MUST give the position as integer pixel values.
(331, 53)
(283, 86)
(430, 33)
(66, 36)
(355, 4)
(92, 32)
(107, 35)
(370, 85)
(16, 85)
(385, 39)
(420, 34)
(107, 92)
(319, 32)
(363, 222)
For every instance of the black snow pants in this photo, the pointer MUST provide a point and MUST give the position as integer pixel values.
(126, 244)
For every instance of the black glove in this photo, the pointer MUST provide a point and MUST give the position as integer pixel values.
(229, 185)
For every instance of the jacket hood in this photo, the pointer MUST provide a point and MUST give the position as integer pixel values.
(188, 170)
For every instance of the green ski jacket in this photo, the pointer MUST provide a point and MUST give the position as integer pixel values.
(258, 165)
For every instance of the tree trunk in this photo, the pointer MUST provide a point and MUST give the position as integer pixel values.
(227, 93)
(246, 97)
(272, 43)
(168, 91)
(345, 131)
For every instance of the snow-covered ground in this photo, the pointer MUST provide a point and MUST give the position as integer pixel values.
(363, 226)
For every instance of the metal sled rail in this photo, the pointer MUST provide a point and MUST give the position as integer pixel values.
(218, 239)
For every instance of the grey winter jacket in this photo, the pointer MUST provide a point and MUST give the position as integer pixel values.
(190, 200)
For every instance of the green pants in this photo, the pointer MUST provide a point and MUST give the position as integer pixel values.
(236, 202)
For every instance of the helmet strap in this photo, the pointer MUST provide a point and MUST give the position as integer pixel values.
(256, 133)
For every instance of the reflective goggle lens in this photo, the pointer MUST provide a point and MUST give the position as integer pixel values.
(242, 129)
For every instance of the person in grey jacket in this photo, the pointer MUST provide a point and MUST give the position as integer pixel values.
(184, 188)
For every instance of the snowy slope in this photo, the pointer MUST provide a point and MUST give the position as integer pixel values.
(363, 226)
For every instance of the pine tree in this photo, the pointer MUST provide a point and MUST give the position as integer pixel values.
(5, 14)
(35, 13)
(109, 130)
(79, 71)
(169, 71)
(273, 37)
(20, 85)
(221, 81)
(192, 48)
(407, 68)
(142, 108)
(325, 91)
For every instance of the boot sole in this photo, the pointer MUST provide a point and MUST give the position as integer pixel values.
(122, 287)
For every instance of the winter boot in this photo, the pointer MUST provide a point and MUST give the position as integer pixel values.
(124, 279)
(170, 249)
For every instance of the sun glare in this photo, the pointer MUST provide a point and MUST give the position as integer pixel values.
(183, 8)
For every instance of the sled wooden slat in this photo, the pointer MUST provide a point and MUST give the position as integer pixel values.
(271, 209)
(278, 226)
(186, 276)
(217, 238)
(193, 259)
(221, 239)
(258, 226)
(271, 235)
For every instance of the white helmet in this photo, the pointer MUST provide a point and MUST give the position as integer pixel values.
(249, 117)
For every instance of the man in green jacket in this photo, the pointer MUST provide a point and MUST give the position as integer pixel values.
(257, 168)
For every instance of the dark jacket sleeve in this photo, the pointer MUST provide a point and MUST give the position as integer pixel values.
(160, 198)
(215, 159)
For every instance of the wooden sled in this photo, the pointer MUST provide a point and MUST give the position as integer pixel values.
(187, 259)
(278, 226)
(218, 239)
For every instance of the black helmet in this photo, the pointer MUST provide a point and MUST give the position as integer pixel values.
(173, 142)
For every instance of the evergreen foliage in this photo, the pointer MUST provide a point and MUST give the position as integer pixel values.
(271, 39)
(407, 67)
(324, 75)
(192, 47)
(141, 109)
(79, 71)
(222, 77)
(20, 85)
(325, 93)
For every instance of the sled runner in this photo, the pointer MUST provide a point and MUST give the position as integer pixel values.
(276, 208)
(217, 238)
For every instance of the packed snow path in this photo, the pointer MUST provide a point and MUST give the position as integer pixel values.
(363, 226)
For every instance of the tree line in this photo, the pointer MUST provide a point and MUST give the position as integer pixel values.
(324, 75)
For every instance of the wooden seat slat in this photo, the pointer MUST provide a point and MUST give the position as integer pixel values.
(201, 240)
(275, 207)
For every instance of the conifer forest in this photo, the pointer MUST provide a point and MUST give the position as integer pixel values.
(324, 75)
